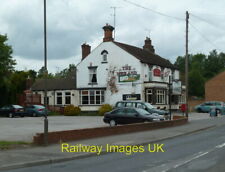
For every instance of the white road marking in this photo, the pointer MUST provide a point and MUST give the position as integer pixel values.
(220, 146)
(187, 161)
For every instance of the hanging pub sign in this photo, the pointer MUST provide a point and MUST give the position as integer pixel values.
(157, 72)
(176, 88)
(128, 74)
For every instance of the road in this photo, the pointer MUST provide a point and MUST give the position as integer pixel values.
(201, 151)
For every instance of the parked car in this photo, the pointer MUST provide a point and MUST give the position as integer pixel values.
(207, 106)
(127, 115)
(143, 105)
(12, 111)
(35, 110)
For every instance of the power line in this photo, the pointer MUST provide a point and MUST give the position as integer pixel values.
(156, 12)
(213, 24)
(204, 37)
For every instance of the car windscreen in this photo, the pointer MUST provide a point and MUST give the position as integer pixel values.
(39, 106)
(149, 106)
(17, 106)
(142, 111)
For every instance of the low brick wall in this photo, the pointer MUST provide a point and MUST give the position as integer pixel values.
(79, 134)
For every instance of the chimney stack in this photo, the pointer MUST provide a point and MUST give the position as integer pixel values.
(148, 45)
(108, 29)
(86, 49)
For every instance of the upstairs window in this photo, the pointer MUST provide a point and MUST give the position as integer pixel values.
(93, 75)
(104, 54)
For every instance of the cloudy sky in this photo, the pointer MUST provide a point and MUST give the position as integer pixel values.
(71, 23)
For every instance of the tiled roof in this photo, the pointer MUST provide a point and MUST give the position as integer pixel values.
(55, 84)
(145, 56)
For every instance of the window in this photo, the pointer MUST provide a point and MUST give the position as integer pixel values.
(68, 98)
(104, 54)
(92, 97)
(160, 97)
(92, 75)
(149, 96)
(59, 98)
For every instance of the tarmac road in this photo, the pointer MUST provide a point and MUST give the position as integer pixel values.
(201, 151)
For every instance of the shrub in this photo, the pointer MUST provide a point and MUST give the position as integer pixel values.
(104, 108)
(71, 110)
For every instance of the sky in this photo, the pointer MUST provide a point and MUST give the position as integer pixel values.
(70, 23)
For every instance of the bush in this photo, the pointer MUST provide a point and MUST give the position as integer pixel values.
(71, 110)
(104, 108)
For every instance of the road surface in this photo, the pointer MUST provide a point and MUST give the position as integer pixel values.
(201, 151)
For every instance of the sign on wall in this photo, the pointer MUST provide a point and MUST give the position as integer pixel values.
(176, 87)
(131, 97)
(128, 74)
(157, 72)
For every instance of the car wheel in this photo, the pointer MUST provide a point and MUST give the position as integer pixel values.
(112, 123)
(34, 114)
(10, 115)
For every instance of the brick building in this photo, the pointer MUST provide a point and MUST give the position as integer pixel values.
(215, 88)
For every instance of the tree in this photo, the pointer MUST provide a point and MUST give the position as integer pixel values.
(65, 72)
(201, 68)
(6, 68)
(41, 73)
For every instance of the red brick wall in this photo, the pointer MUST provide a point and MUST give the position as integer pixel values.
(215, 88)
(79, 134)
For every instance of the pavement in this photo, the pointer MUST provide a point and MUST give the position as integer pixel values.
(24, 157)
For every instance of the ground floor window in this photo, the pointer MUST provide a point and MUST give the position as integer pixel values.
(67, 98)
(181, 99)
(92, 97)
(149, 95)
(59, 98)
(160, 97)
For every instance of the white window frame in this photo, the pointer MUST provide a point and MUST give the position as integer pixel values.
(93, 93)
(160, 96)
(67, 95)
(149, 92)
(92, 72)
(59, 95)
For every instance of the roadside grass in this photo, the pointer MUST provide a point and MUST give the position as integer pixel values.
(13, 144)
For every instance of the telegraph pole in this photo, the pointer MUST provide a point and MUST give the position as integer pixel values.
(186, 63)
(46, 73)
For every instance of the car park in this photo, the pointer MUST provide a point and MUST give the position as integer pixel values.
(128, 115)
(207, 106)
(12, 111)
(143, 105)
(35, 110)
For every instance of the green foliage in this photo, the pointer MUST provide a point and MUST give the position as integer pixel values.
(72, 110)
(6, 68)
(104, 108)
(201, 69)
(66, 72)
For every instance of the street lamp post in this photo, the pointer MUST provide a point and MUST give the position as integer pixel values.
(46, 73)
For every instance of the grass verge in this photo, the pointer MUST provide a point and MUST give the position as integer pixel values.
(13, 144)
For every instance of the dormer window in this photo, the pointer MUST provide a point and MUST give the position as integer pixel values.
(104, 54)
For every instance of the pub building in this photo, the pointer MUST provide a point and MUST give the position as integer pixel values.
(115, 71)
